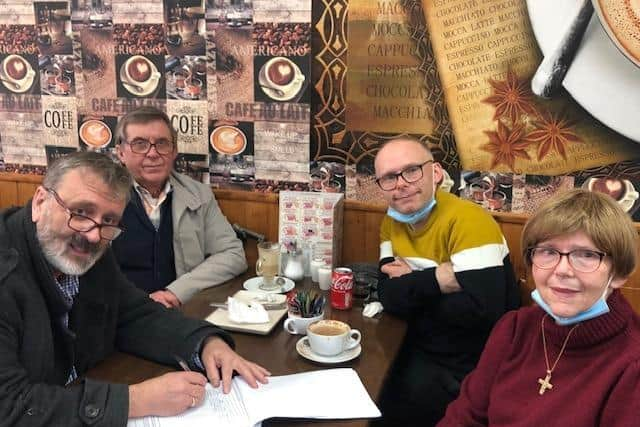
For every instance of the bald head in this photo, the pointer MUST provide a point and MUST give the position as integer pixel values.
(411, 146)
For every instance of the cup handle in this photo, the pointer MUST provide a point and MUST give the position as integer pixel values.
(353, 342)
(289, 326)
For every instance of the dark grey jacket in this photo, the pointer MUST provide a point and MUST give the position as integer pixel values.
(37, 350)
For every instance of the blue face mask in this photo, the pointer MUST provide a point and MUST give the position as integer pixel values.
(414, 217)
(599, 308)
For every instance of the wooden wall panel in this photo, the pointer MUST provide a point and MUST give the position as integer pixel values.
(8, 193)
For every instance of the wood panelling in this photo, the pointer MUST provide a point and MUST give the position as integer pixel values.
(259, 212)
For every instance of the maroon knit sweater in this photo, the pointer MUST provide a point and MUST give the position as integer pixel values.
(596, 381)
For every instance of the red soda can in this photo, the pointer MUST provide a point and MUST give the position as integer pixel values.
(341, 293)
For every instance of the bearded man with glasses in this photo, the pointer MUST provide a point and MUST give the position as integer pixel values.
(445, 268)
(66, 306)
(178, 241)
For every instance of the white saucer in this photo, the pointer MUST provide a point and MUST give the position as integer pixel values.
(147, 88)
(254, 283)
(272, 93)
(304, 350)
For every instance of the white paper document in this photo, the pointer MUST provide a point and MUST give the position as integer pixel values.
(331, 394)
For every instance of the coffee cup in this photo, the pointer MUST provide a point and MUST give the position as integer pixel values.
(495, 199)
(620, 21)
(140, 70)
(268, 264)
(614, 187)
(478, 189)
(180, 77)
(193, 87)
(95, 133)
(50, 76)
(297, 325)
(63, 83)
(282, 73)
(16, 68)
(331, 337)
(228, 140)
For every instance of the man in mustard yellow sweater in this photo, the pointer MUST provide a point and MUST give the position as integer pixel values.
(445, 268)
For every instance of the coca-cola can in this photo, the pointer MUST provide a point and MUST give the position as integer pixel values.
(341, 293)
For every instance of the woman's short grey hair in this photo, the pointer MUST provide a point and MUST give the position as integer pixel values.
(113, 174)
(143, 115)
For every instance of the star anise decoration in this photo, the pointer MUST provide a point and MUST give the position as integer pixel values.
(553, 132)
(511, 97)
(506, 145)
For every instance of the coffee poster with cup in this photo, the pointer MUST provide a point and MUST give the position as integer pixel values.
(140, 76)
(18, 74)
(96, 133)
(231, 154)
(186, 77)
(57, 75)
(281, 79)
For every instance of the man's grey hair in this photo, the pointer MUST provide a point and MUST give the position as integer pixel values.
(113, 174)
(143, 115)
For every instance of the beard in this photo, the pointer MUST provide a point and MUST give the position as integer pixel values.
(55, 247)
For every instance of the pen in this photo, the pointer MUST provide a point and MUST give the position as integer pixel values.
(183, 364)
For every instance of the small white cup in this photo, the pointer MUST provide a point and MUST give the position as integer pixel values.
(331, 337)
(324, 277)
(297, 325)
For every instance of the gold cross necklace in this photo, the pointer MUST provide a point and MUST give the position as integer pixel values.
(545, 384)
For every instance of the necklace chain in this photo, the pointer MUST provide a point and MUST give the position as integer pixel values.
(545, 384)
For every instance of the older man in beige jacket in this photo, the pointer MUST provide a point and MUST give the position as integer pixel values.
(178, 242)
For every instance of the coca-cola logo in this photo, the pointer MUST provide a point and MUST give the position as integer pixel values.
(343, 283)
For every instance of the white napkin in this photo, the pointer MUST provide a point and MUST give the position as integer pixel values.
(240, 312)
(372, 309)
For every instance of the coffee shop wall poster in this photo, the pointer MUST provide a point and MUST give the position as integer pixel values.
(272, 95)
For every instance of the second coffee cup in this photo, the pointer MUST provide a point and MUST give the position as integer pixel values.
(331, 337)
(298, 325)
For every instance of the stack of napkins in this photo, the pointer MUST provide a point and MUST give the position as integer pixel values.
(241, 312)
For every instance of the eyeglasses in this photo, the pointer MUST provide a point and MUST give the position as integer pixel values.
(583, 260)
(83, 224)
(410, 174)
(143, 146)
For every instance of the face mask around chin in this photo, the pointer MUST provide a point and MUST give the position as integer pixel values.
(598, 308)
(414, 217)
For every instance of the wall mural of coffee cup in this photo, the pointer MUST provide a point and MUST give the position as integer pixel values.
(281, 78)
(140, 76)
(17, 72)
(621, 21)
(95, 133)
(622, 190)
(228, 140)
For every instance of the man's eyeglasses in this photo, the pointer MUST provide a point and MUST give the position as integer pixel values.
(410, 174)
(83, 224)
(143, 146)
(583, 260)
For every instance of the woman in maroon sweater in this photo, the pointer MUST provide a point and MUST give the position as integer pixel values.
(573, 359)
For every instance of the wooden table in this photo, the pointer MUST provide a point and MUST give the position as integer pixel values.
(381, 340)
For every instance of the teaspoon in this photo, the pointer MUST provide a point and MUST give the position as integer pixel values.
(550, 74)
(16, 86)
(278, 92)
